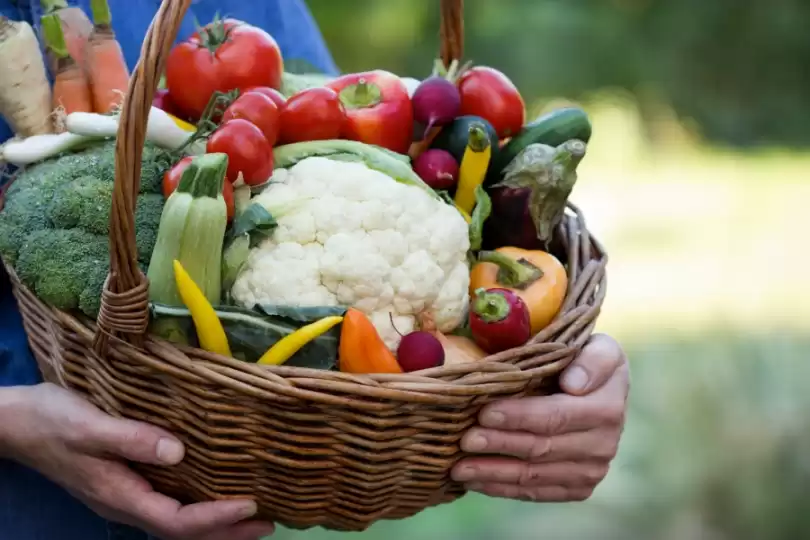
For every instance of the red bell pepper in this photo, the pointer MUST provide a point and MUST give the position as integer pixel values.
(378, 109)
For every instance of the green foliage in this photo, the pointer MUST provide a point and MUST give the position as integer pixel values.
(738, 68)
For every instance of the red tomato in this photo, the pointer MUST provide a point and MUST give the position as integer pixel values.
(223, 56)
(171, 179)
(488, 93)
(259, 110)
(277, 97)
(378, 109)
(248, 151)
(314, 114)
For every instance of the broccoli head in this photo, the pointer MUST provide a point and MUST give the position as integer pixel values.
(63, 265)
(55, 222)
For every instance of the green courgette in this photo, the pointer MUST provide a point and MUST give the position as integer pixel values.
(454, 136)
(552, 129)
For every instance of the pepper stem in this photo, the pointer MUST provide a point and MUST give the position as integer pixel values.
(361, 95)
(477, 139)
(490, 307)
(514, 274)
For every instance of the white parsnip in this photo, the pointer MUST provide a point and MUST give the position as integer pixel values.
(25, 95)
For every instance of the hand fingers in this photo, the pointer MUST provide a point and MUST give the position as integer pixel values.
(568, 474)
(593, 367)
(557, 414)
(549, 494)
(134, 441)
(129, 495)
(248, 530)
(594, 445)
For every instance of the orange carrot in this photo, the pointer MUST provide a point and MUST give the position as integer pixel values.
(70, 89)
(106, 67)
(76, 27)
(361, 349)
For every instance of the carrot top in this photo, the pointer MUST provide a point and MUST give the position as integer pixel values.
(52, 6)
(102, 17)
(53, 36)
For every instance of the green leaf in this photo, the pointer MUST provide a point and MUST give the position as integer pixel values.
(481, 212)
(254, 221)
(251, 332)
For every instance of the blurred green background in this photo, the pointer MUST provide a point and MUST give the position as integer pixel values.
(697, 180)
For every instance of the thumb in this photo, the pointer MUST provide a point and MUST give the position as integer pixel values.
(133, 441)
(593, 367)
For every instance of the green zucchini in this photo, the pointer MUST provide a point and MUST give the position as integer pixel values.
(454, 136)
(552, 129)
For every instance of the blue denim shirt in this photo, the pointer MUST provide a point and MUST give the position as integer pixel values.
(32, 508)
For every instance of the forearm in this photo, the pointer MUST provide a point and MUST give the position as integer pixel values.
(12, 400)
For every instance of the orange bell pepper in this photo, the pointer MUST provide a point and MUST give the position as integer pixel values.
(537, 277)
(362, 350)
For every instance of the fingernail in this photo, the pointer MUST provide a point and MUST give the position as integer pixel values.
(475, 443)
(576, 379)
(248, 509)
(464, 474)
(493, 419)
(170, 451)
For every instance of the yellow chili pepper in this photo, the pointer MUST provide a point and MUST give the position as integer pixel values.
(464, 214)
(473, 169)
(209, 329)
(292, 343)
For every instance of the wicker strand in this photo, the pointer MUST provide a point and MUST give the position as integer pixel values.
(452, 31)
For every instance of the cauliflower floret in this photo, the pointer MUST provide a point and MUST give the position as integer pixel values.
(352, 236)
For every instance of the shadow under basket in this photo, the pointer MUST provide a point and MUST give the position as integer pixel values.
(312, 447)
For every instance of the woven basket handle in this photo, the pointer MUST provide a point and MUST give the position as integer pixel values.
(125, 300)
(452, 31)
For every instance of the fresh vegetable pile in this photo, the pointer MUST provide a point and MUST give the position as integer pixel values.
(367, 223)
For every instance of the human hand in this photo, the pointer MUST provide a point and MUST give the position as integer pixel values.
(553, 448)
(84, 450)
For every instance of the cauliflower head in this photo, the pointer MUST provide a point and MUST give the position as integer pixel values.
(352, 236)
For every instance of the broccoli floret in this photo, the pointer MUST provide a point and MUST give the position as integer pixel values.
(148, 210)
(84, 203)
(62, 265)
(155, 162)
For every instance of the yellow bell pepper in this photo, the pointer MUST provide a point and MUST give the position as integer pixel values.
(185, 126)
(209, 329)
(287, 346)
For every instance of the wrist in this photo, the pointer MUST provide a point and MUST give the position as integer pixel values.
(12, 403)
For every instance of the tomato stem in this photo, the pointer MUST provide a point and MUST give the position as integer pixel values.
(214, 34)
(515, 274)
(361, 95)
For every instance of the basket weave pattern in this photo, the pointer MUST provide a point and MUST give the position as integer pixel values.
(313, 447)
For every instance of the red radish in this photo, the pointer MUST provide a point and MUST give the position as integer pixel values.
(419, 350)
(438, 168)
(499, 320)
(436, 102)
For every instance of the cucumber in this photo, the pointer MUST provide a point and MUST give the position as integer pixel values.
(454, 136)
(553, 129)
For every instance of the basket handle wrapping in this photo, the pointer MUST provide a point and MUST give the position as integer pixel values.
(124, 312)
(125, 299)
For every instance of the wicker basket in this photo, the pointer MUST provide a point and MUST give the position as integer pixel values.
(314, 448)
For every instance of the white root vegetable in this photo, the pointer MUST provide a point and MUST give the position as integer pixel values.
(39, 147)
(161, 128)
(25, 95)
